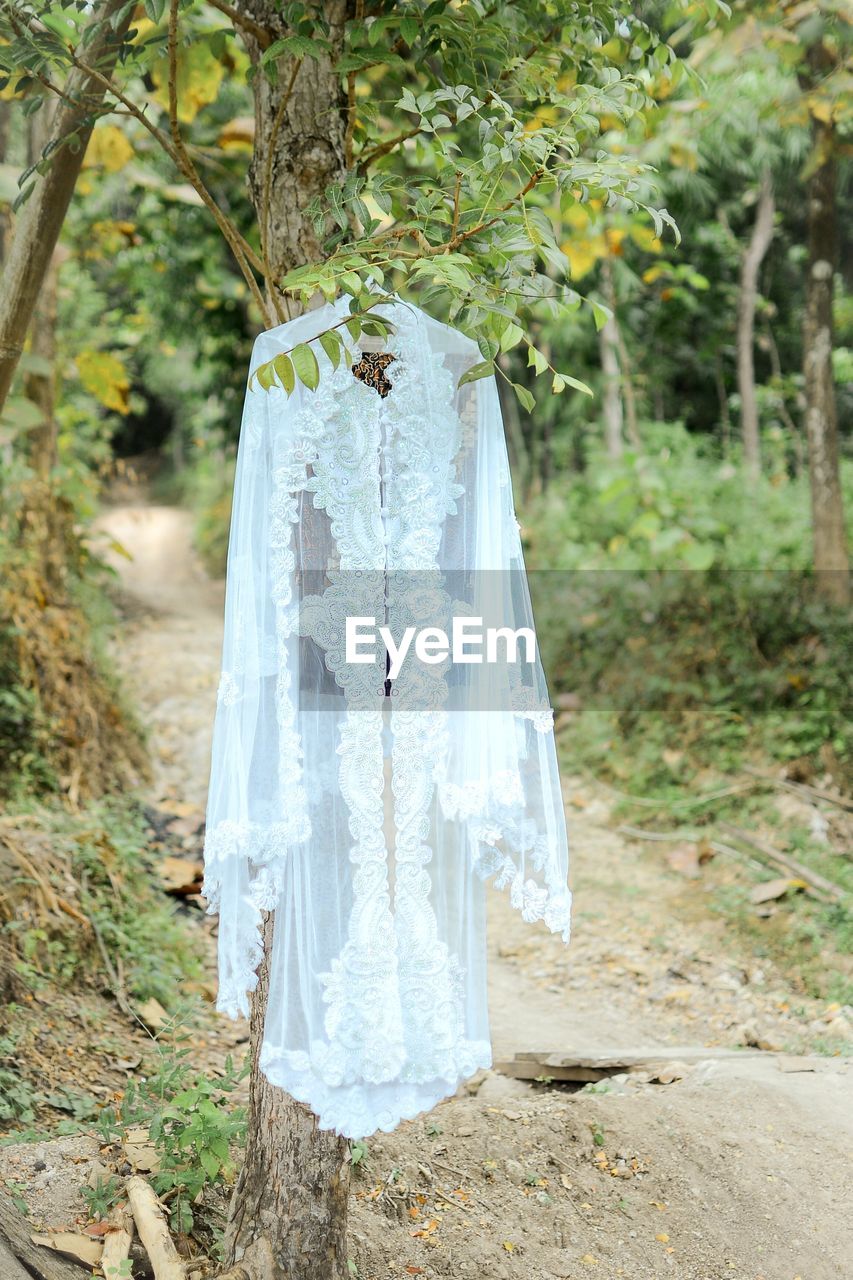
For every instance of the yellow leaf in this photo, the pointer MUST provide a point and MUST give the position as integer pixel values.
(238, 134)
(109, 236)
(199, 78)
(544, 116)
(645, 239)
(577, 216)
(589, 1260)
(105, 377)
(108, 149)
(10, 91)
(509, 1246)
(663, 1237)
(583, 252)
(683, 158)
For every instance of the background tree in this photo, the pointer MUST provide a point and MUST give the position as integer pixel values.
(825, 77)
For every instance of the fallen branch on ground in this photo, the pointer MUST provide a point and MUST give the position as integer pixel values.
(153, 1231)
(817, 882)
(117, 1242)
(800, 788)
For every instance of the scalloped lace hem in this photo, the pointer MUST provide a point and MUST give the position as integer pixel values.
(534, 901)
(357, 1110)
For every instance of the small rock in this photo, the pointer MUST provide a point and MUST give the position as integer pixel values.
(497, 1088)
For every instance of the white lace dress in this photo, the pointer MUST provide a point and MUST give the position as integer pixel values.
(370, 824)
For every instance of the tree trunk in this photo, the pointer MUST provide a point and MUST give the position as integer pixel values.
(288, 1214)
(40, 221)
(759, 243)
(40, 379)
(723, 401)
(832, 568)
(5, 219)
(626, 379)
(608, 341)
(300, 139)
(32, 1260)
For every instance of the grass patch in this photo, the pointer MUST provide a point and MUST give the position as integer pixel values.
(81, 904)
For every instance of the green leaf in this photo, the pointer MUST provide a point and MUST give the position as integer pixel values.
(536, 359)
(511, 337)
(265, 375)
(563, 380)
(525, 397)
(298, 46)
(284, 368)
(600, 315)
(305, 364)
(20, 414)
(330, 341)
(209, 1162)
(477, 371)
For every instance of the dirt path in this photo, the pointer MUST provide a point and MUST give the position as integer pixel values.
(736, 1170)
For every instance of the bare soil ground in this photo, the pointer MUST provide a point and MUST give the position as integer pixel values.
(737, 1168)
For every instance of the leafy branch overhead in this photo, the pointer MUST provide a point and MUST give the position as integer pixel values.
(472, 131)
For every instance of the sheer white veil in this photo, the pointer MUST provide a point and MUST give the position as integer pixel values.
(370, 824)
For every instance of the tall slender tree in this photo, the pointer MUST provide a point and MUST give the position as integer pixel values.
(756, 250)
(831, 560)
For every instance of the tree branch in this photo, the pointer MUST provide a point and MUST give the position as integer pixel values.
(386, 147)
(243, 21)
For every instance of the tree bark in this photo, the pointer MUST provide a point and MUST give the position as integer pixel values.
(759, 243)
(831, 563)
(288, 1215)
(300, 140)
(40, 221)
